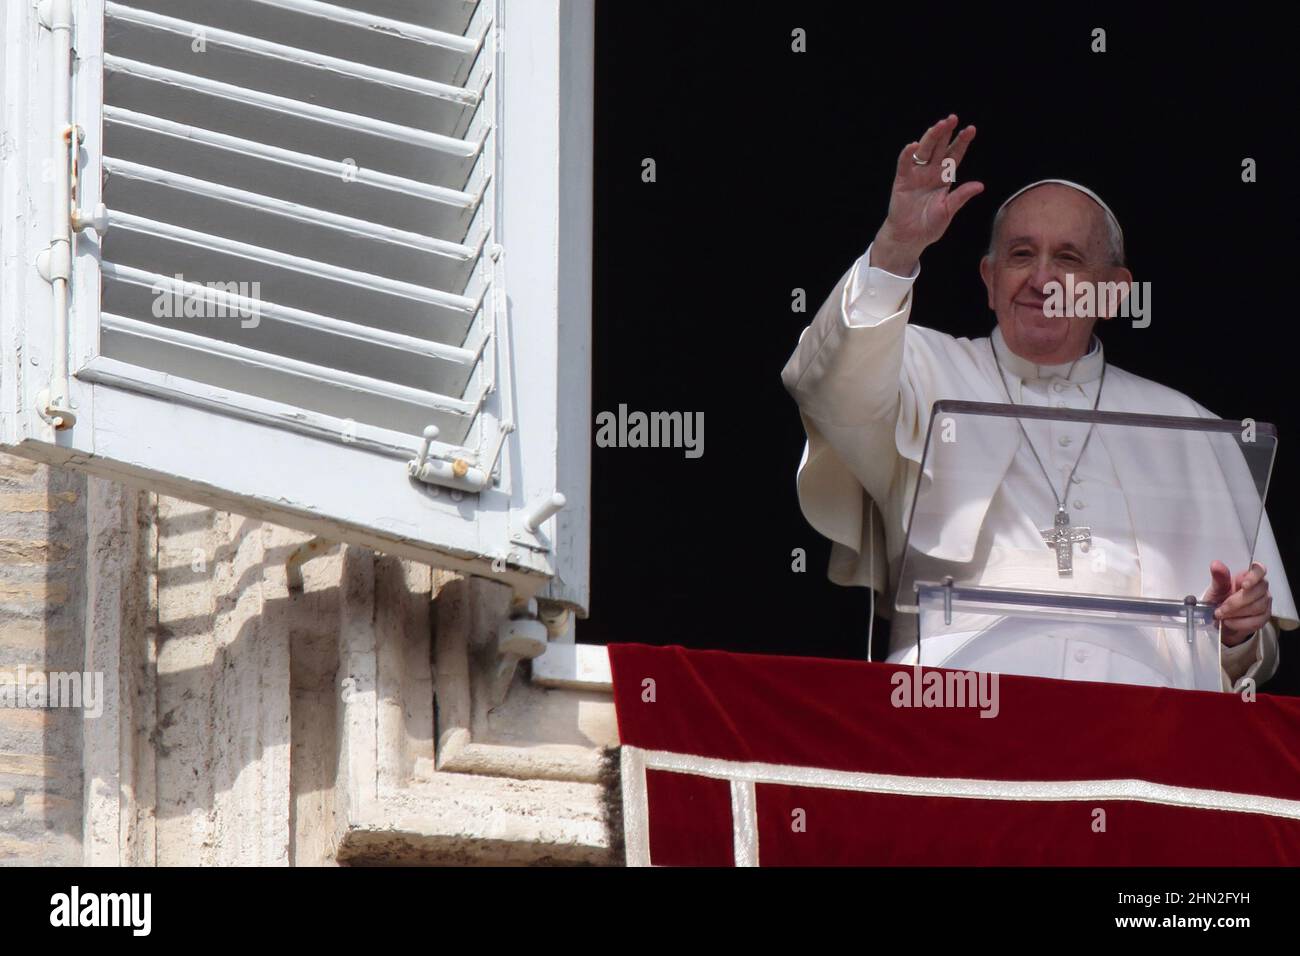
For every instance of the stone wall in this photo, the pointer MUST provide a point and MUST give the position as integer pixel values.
(42, 540)
(245, 721)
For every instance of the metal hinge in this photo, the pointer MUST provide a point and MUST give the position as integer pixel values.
(55, 262)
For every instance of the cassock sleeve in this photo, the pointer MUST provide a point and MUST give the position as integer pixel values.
(1263, 662)
(1257, 659)
(845, 370)
(845, 377)
(865, 382)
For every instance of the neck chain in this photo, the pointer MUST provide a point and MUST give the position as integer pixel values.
(1061, 537)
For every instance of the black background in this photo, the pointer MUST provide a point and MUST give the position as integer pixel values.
(774, 170)
(1023, 903)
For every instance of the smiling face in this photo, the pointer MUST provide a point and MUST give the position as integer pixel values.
(1047, 232)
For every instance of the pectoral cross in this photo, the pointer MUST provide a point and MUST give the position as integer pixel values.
(1063, 538)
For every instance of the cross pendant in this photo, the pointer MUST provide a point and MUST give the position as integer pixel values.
(1063, 538)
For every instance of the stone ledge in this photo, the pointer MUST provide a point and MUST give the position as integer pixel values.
(574, 667)
(460, 819)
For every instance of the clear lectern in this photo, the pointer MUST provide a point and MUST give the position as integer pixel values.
(1076, 543)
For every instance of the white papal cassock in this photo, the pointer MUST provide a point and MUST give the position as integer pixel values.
(865, 381)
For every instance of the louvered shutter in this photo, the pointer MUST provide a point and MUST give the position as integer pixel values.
(326, 227)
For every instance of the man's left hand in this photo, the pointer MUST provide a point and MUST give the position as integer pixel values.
(1244, 602)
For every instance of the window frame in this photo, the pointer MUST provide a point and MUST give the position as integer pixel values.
(542, 140)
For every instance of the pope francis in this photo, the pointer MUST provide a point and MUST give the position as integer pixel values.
(865, 380)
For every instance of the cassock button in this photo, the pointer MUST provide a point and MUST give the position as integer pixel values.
(1081, 655)
(1060, 388)
(1065, 440)
(1079, 505)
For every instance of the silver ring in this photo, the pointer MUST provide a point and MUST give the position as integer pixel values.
(920, 162)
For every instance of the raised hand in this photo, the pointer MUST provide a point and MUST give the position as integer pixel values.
(922, 203)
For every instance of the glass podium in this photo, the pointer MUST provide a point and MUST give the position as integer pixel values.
(1077, 544)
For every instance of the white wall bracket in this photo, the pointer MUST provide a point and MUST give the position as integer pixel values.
(543, 510)
(523, 637)
(529, 535)
(300, 555)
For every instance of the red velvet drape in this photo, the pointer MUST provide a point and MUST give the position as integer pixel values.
(841, 715)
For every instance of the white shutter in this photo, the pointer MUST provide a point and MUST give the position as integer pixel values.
(328, 227)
